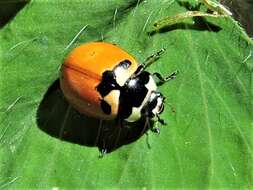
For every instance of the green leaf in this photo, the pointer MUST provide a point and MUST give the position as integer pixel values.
(207, 142)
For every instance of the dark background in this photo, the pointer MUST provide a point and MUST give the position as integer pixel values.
(243, 12)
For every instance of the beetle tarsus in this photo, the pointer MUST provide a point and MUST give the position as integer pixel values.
(103, 153)
(156, 130)
(147, 141)
(162, 79)
(161, 120)
(151, 59)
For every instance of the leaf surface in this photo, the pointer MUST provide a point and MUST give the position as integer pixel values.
(207, 142)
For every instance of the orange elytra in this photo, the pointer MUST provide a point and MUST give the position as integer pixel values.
(82, 72)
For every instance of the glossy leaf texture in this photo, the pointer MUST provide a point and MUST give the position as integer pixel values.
(207, 142)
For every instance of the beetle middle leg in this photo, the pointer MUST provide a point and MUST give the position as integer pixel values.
(152, 128)
(163, 80)
(146, 126)
(119, 126)
(157, 129)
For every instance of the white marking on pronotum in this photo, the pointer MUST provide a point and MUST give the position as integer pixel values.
(76, 36)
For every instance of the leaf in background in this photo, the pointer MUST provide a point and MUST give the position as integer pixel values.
(208, 140)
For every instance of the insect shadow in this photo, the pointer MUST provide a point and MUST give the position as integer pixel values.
(58, 119)
(9, 9)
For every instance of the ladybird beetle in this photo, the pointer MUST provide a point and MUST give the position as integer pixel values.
(103, 81)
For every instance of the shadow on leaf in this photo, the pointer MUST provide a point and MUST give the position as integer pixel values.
(9, 9)
(58, 119)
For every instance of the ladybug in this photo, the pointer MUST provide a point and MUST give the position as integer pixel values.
(103, 81)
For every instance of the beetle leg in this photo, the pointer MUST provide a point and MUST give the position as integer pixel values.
(110, 137)
(103, 153)
(161, 120)
(156, 130)
(99, 132)
(118, 130)
(151, 59)
(147, 140)
(146, 126)
(104, 150)
(162, 80)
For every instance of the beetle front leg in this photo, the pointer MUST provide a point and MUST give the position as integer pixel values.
(151, 59)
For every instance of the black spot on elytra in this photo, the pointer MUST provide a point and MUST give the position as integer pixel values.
(105, 107)
(107, 84)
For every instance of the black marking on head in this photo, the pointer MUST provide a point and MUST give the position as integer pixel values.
(105, 107)
(133, 95)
